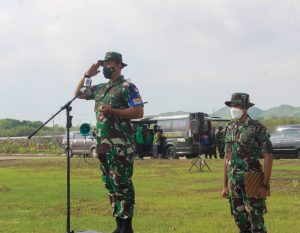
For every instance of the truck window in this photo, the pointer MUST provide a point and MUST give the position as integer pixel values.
(179, 124)
(290, 133)
(206, 127)
(78, 136)
(166, 125)
(276, 134)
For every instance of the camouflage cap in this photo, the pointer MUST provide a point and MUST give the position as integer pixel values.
(113, 56)
(239, 99)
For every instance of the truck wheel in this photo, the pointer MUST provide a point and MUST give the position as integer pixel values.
(94, 153)
(171, 152)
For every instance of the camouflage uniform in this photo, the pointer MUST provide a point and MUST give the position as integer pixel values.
(114, 142)
(244, 144)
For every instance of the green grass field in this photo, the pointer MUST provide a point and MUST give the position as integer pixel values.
(168, 198)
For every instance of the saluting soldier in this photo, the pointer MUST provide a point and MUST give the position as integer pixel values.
(116, 102)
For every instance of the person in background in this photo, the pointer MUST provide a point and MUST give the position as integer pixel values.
(156, 143)
(205, 144)
(220, 142)
(212, 145)
(140, 141)
(148, 142)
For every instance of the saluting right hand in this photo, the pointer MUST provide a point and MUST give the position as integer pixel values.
(93, 70)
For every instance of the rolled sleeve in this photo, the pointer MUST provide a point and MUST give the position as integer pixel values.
(89, 93)
(263, 138)
(133, 96)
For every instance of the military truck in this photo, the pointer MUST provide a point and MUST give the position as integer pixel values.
(182, 132)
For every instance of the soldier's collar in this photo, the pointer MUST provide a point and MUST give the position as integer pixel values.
(246, 122)
(118, 80)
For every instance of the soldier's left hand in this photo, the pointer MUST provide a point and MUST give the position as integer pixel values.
(225, 193)
(261, 193)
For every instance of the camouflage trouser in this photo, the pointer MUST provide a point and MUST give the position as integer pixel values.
(248, 212)
(117, 170)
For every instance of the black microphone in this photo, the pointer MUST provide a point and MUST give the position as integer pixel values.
(81, 91)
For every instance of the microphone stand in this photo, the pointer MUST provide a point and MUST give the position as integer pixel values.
(68, 109)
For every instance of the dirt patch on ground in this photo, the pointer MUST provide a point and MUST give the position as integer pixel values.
(49, 161)
(4, 188)
(86, 207)
(286, 185)
(32, 162)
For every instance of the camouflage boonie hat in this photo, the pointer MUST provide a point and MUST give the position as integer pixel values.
(113, 56)
(239, 99)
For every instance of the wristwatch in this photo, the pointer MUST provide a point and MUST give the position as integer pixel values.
(266, 186)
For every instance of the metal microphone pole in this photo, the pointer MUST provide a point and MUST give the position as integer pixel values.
(68, 109)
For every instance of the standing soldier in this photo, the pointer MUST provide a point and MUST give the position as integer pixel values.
(245, 141)
(220, 142)
(116, 102)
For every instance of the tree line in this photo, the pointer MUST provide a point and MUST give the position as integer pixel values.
(17, 128)
(20, 128)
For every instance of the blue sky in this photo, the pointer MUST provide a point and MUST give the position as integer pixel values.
(183, 55)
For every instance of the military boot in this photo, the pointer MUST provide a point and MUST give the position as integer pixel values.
(119, 226)
(126, 226)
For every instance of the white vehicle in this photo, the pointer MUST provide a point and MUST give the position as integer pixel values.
(80, 145)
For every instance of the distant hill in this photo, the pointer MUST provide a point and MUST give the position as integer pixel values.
(271, 118)
(275, 112)
(282, 111)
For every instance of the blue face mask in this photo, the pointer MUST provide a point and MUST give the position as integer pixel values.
(108, 71)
